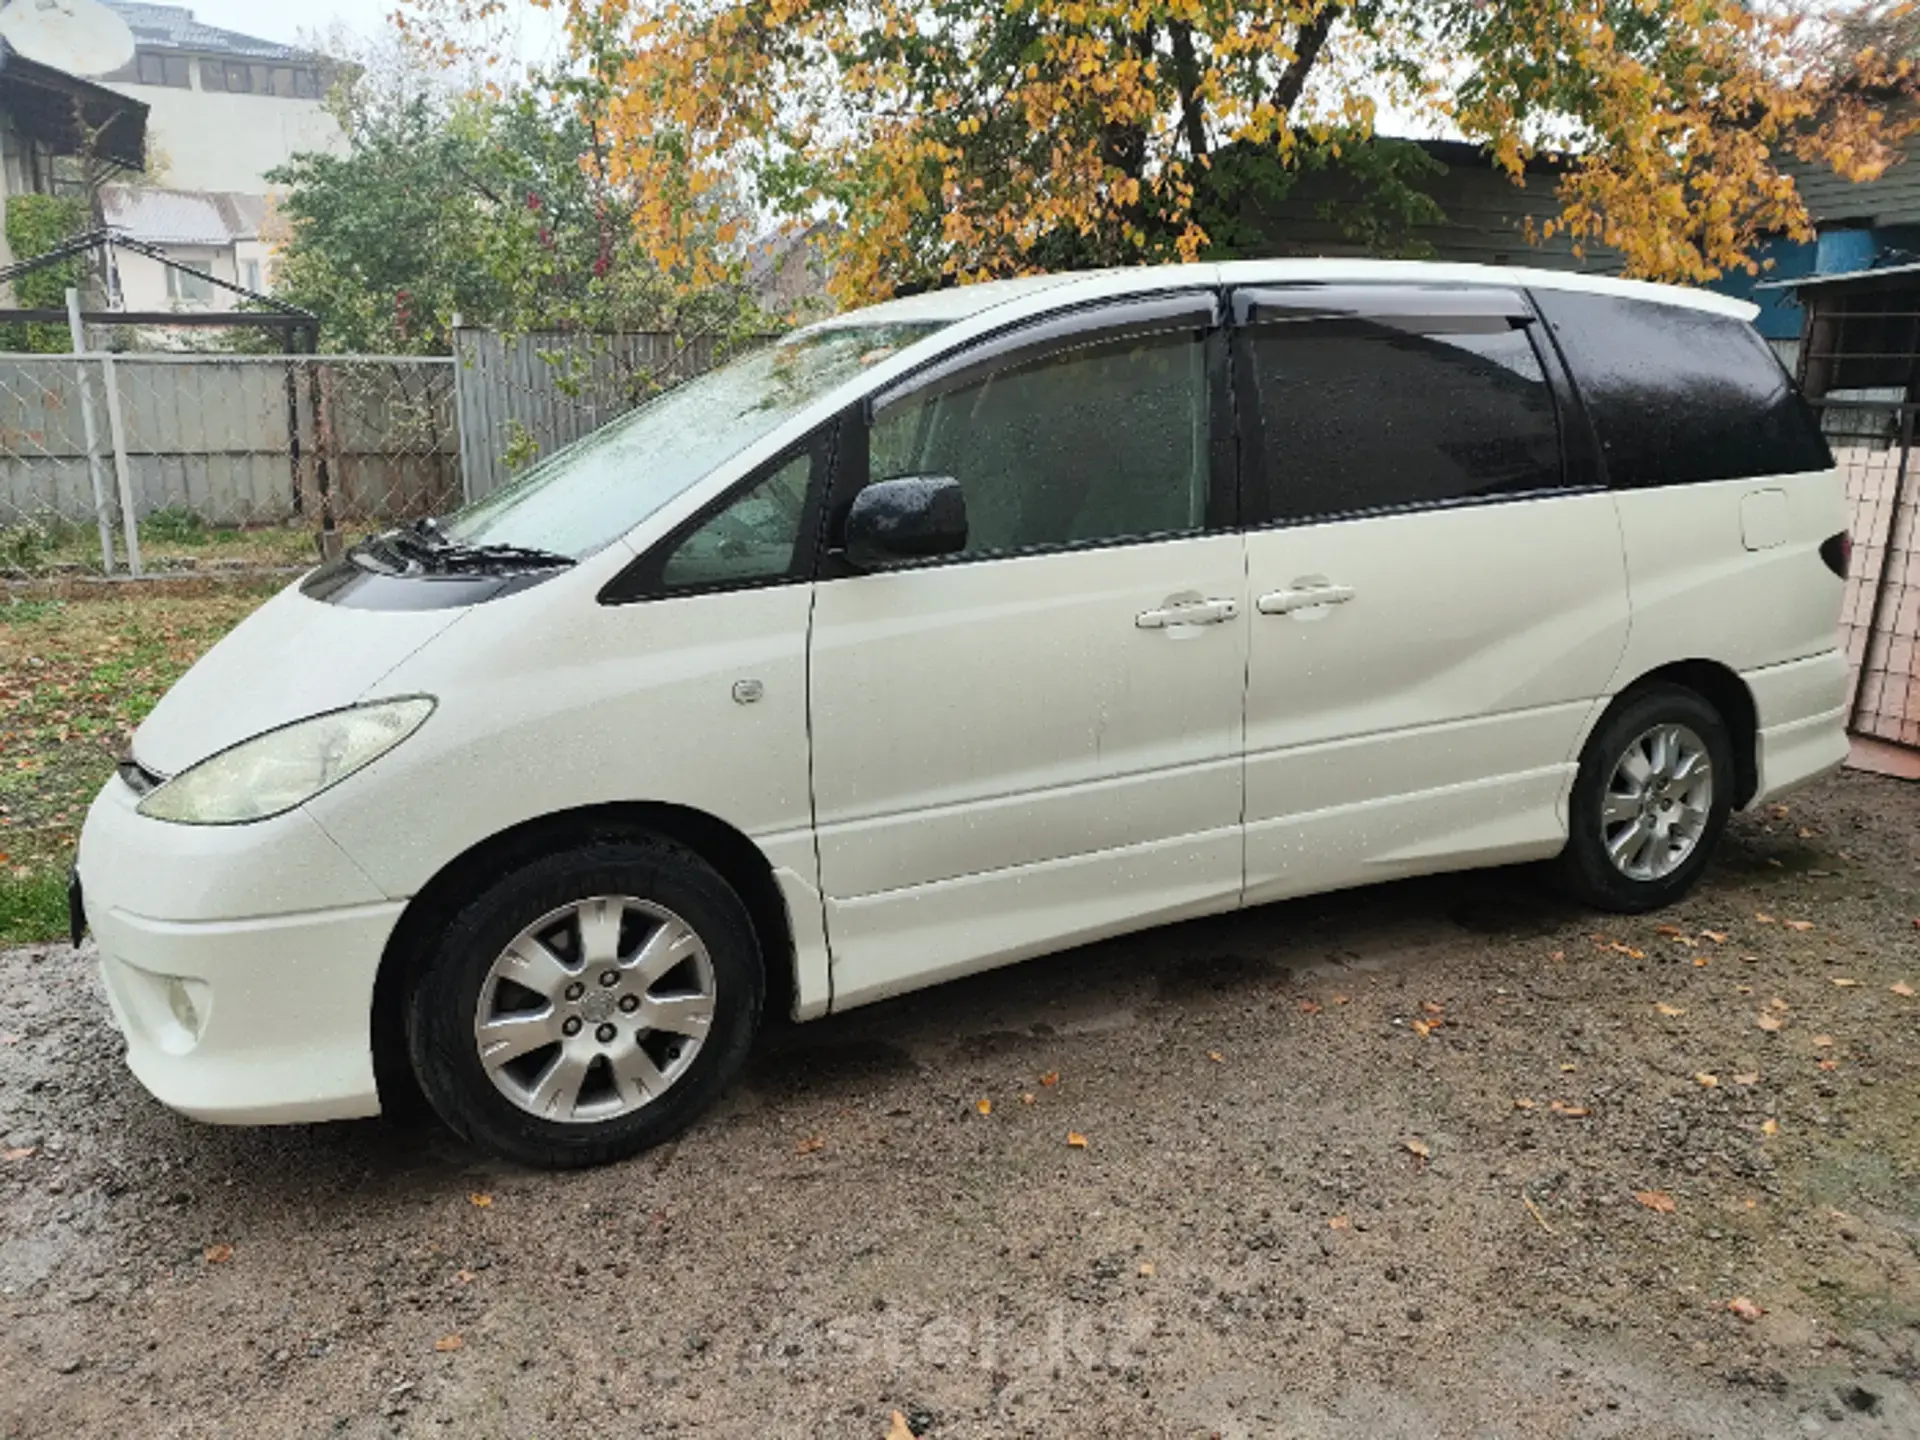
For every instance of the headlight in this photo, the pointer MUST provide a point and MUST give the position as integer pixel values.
(274, 772)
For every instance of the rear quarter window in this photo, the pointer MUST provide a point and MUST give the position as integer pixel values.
(1679, 396)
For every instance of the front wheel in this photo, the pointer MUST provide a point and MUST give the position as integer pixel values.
(1652, 796)
(588, 1005)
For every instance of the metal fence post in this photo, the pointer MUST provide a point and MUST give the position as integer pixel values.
(77, 329)
(117, 428)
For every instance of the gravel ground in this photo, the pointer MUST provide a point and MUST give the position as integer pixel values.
(1360, 1166)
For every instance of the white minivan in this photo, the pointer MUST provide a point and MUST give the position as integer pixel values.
(959, 630)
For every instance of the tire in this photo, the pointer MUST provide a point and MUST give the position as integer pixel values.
(1600, 825)
(583, 1073)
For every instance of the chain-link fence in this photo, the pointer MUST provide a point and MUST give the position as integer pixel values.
(1872, 434)
(170, 447)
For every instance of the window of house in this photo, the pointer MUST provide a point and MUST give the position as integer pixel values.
(1100, 441)
(250, 274)
(239, 77)
(1359, 416)
(191, 285)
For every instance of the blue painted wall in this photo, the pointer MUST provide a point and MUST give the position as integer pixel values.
(1835, 252)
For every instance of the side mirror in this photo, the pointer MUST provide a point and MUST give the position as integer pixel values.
(896, 522)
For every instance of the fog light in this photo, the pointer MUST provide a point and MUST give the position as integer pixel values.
(181, 1000)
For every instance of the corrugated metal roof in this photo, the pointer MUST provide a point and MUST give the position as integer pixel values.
(182, 217)
(172, 27)
(1839, 277)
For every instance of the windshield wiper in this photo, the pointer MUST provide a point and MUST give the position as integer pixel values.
(452, 555)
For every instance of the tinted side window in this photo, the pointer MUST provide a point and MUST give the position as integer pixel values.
(1358, 416)
(753, 538)
(1679, 395)
(1101, 441)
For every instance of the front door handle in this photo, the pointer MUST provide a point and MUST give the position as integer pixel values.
(1303, 597)
(1190, 612)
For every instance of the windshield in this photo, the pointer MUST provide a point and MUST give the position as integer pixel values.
(588, 495)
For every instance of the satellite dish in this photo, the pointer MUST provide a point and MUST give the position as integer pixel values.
(81, 37)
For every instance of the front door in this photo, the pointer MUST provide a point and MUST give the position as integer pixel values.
(1439, 597)
(1037, 741)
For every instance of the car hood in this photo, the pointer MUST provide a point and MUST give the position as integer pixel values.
(293, 657)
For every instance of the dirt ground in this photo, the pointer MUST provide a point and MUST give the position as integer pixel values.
(1361, 1166)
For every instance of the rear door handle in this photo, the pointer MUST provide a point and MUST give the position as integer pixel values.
(1306, 597)
(1192, 612)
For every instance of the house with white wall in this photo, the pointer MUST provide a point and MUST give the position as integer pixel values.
(224, 109)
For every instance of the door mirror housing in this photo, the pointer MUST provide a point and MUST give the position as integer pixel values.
(897, 522)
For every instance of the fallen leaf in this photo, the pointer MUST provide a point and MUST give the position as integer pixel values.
(899, 1430)
(1026, 1097)
(1567, 1069)
(481, 1202)
(1561, 954)
(1829, 1064)
(1422, 1027)
(809, 1145)
(22, 1153)
(1216, 1057)
(1146, 1269)
(1778, 1004)
(1309, 1007)
(1769, 1127)
(218, 1254)
(1655, 1200)
(1747, 1077)
(1673, 930)
(1798, 924)
(1432, 1008)
(1844, 983)
(1901, 988)
(1339, 1222)
(1700, 962)
(1628, 951)
(1779, 812)
(1418, 1147)
(1522, 1104)
(1571, 1111)
(1820, 1042)
(1719, 937)
(1770, 1023)
(985, 1107)
(1341, 999)
(1076, 1140)
(447, 1343)
(463, 1277)
(1709, 1081)
(1670, 1011)
(1745, 1308)
(1052, 1077)
(1764, 919)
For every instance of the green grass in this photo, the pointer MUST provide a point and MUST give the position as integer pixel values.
(171, 539)
(76, 677)
(32, 909)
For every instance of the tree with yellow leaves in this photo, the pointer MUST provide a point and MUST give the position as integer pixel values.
(953, 139)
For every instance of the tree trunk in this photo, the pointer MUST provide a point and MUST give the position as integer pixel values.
(1186, 74)
(1306, 51)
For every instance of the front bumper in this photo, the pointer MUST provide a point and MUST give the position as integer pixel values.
(239, 961)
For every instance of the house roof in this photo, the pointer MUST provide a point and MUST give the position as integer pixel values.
(182, 217)
(57, 109)
(1840, 277)
(172, 27)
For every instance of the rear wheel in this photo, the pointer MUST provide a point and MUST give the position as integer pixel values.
(588, 1005)
(1651, 799)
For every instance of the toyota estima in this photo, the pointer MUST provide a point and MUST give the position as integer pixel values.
(959, 630)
